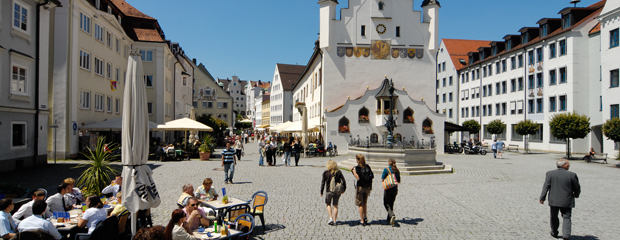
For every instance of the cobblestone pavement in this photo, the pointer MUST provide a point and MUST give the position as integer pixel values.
(485, 198)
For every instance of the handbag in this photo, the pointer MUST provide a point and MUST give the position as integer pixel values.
(337, 188)
(389, 181)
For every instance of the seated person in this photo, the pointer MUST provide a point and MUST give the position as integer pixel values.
(74, 196)
(8, 228)
(93, 215)
(114, 187)
(146, 233)
(37, 222)
(195, 215)
(188, 192)
(590, 155)
(160, 152)
(177, 227)
(206, 192)
(57, 201)
(329, 146)
(119, 209)
(26, 209)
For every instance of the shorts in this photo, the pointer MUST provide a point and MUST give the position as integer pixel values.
(332, 198)
(361, 195)
(499, 150)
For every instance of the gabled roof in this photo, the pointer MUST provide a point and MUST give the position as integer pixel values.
(596, 28)
(458, 49)
(129, 10)
(289, 75)
(260, 84)
(227, 81)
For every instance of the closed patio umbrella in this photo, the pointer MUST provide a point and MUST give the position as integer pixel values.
(139, 191)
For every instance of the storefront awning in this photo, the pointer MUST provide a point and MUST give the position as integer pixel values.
(451, 127)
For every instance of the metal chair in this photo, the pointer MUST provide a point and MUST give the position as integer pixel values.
(235, 211)
(106, 229)
(258, 201)
(245, 220)
(171, 154)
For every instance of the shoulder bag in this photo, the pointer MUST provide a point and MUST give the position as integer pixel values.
(389, 181)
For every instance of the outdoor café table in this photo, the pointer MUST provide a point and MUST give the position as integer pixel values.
(219, 206)
(65, 228)
(203, 235)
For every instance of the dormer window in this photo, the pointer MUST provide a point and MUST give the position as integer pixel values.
(471, 60)
(565, 21)
(543, 30)
(508, 44)
(481, 54)
(494, 50)
(525, 38)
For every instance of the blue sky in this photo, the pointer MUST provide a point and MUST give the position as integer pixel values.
(248, 37)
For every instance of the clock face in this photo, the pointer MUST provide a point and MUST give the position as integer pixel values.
(381, 29)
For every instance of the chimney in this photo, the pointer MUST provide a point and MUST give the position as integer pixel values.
(259, 82)
(194, 61)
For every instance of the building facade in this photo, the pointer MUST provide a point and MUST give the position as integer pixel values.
(25, 59)
(183, 83)
(209, 97)
(252, 91)
(235, 88)
(265, 111)
(284, 77)
(610, 65)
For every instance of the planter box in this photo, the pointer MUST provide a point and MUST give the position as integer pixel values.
(204, 156)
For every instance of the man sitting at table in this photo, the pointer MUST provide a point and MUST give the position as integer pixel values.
(26, 209)
(8, 228)
(57, 201)
(114, 187)
(74, 195)
(37, 222)
(119, 209)
(188, 192)
(195, 215)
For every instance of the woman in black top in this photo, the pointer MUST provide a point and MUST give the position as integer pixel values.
(389, 195)
(297, 150)
(331, 197)
(287, 148)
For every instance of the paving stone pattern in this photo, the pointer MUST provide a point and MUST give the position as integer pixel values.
(485, 198)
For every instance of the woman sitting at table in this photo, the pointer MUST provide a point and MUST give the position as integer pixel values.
(119, 208)
(93, 215)
(177, 228)
(206, 192)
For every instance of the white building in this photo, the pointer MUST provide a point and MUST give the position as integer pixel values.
(235, 87)
(183, 83)
(284, 77)
(252, 91)
(24, 82)
(372, 39)
(209, 97)
(610, 64)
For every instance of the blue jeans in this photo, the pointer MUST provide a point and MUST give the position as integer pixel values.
(260, 160)
(229, 167)
(287, 158)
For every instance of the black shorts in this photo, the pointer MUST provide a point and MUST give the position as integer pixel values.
(332, 198)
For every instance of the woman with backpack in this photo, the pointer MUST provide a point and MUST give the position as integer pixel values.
(389, 195)
(363, 175)
(335, 185)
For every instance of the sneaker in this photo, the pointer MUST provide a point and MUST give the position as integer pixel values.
(330, 222)
(392, 220)
(231, 182)
(225, 182)
(366, 220)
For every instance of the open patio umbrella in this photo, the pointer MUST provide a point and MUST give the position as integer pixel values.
(139, 191)
(183, 124)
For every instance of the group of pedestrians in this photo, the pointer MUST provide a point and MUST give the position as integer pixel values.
(498, 148)
(268, 150)
(334, 184)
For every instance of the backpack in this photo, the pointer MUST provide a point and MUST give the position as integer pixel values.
(335, 187)
(366, 176)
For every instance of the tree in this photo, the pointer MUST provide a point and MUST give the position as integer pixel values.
(219, 126)
(472, 125)
(569, 125)
(611, 129)
(496, 127)
(526, 127)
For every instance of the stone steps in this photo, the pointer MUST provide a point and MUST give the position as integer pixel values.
(377, 168)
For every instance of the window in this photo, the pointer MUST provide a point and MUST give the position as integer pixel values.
(539, 105)
(562, 75)
(497, 67)
(508, 44)
(513, 107)
(539, 55)
(20, 16)
(484, 72)
(504, 65)
(538, 136)
(224, 104)
(397, 31)
(504, 109)
(185, 82)
(613, 78)
(562, 47)
(552, 77)
(513, 85)
(530, 57)
(504, 87)
(543, 30)
(18, 134)
(450, 97)
(85, 60)
(117, 103)
(85, 23)
(109, 104)
(374, 138)
(450, 113)
(530, 82)
(437, 83)
(450, 80)
(520, 60)
(84, 100)
(613, 38)
(490, 69)
(118, 48)
(117, 76)
(363, 30)
(18, 79)
(443, 67)
(513, 63)
(490, 90)
(554, 139)
(565, 21)
(109, 70)
(552, 104)
(98, 66)
(149, 107)
(484, 91)
(108, 38)
(497, 109)
(486, 134)
(563, 103)
(552, 50)
(614, 111)
(520, 81)
(484, 110)
(539, 80)
(530, 104)
(525, 38)
(497, 88)
(148, 80)
(98, 102)
(490, 110)
(514, 136)
(444, 98)
(99, 32)
(147, 55)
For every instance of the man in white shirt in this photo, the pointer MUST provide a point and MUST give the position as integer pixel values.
(37, 222)
(57, 201)
(8, 228)
(74, 196)
(114, 187)
(26, 209)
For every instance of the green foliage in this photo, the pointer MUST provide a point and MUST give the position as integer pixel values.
(611, 129)
(243, 125)
(496, 127)
(569, 125)
(473, 125)
(239, 118)
(219, 126)
(526, 127)
(207, 143)
(98, 170)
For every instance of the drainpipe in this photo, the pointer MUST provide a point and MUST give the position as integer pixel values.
(36, 88)
(480, 101)
(525, 79)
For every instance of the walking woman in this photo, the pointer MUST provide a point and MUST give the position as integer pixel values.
(297, 149)
(238, 147)
(177, 228)
(269, 152)
(331, 177)
(389, 195)
(287, 148)
(261, 151)
(363, 174)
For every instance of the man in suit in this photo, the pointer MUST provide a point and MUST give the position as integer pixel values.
(563, 187)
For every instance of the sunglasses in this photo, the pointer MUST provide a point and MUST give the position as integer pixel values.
(193, 205)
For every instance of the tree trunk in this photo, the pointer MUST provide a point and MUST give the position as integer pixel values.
(568, 148)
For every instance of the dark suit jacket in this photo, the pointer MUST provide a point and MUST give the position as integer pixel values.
(563, 187)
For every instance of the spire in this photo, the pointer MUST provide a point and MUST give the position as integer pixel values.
(429, 2)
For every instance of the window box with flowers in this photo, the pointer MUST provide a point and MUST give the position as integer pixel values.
(343, 129)
(409, 119)
(427, 130)
(364, 119)
(387, 112)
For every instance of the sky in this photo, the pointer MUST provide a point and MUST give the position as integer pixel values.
(247, 38)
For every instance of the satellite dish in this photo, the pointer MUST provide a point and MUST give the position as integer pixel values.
(575, 2)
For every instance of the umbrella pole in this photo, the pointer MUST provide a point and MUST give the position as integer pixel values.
(185, 132)
(133, 224)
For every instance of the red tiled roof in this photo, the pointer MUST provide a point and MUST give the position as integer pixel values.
(148, 35)
(289, 74)
(596, 28)
(129, 10)
(458, 49)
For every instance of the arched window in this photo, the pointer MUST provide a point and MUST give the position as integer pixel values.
(374, 138)
(427, 126)
(408, 116)
(343, 125)
(398, 137)
(363, 115)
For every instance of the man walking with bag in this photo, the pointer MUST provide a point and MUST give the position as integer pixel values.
(563, 187)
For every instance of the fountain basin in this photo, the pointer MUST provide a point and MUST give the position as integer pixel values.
(408, 161)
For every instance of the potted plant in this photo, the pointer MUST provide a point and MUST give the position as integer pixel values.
(378, 111)
(98, 169)
(344, 129)
(409, 119)
(427, 130)
(206, 148)
(363, 119)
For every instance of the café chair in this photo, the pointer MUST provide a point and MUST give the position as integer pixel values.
(106, 229)
(33, 235)
(245, 220)
(122, 220)
(235, 211)
(258, 201)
